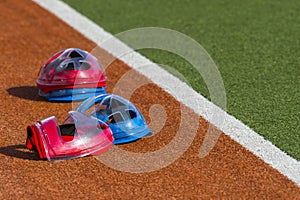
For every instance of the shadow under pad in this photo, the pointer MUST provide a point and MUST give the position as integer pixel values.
(19, 151)
(26, 92)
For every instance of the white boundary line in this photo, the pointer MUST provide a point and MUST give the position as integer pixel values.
(231, 126)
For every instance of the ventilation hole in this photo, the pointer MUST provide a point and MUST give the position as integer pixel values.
(67, 129)
(67, 132)
(116, 117)
(131, 114)
(75, 54)
(115, 103)
(70, 66)
(84, 66)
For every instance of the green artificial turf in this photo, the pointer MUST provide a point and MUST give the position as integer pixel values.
(255, 44)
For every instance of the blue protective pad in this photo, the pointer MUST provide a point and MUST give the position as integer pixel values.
(124, 119)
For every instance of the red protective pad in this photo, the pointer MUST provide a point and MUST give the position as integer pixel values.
(85, 137)
(71, 68)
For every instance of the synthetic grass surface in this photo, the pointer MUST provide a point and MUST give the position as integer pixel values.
(255, 45)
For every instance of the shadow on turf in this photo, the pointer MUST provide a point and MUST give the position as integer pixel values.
(19, 151)
(26, 92)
